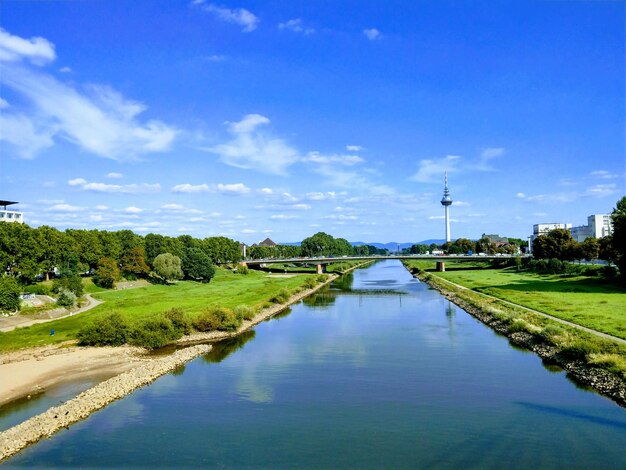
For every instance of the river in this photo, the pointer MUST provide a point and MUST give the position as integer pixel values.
(379, 371)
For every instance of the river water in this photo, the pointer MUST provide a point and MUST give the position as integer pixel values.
(377, 372)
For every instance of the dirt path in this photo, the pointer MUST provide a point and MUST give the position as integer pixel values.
(537, 312)
(16, 323)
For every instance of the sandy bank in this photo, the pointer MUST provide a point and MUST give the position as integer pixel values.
(34, 370)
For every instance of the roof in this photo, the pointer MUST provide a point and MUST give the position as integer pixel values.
(6, 203)
(267, 242)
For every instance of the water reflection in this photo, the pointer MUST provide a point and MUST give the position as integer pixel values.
(568, 412)
(225, 348)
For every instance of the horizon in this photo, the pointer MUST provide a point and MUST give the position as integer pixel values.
(256, 119)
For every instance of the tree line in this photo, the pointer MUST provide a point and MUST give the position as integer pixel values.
(28, 253)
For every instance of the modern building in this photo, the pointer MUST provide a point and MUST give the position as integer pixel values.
(7, 215)
(446, 201)
(598, 226)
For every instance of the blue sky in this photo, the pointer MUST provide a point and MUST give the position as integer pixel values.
(252, 119)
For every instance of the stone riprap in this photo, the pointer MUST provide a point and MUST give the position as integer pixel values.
(45, 424)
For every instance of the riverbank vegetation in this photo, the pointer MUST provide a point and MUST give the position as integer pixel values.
(144, 308)
(568, 346)
(587, 300)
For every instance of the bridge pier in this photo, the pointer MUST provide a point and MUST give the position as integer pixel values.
(441, 266)
(320, 269)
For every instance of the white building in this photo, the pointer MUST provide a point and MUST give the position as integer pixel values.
(598, 226)
(9, 215)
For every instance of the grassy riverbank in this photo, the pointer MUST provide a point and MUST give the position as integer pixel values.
(586, 355)
(587, 301)
(255, 290)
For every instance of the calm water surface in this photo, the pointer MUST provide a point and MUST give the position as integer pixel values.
(378, 372)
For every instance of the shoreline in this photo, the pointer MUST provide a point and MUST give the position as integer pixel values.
(600, 380)
(127, 376)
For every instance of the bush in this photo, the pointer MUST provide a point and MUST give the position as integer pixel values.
(282, 297)
(552, 334)
(310, 282)
(518, 325)
(9, 294)
(579, 349)
(69, 281)
(609, 272)
(244, 312)
(154, 333)
(66, 298)
(37, 289)
(180, 321)
(322, 278)
(217, 318)
(111, 330)
(242, 269)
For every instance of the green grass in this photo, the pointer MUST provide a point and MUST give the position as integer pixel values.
(587, 301)
(225, 290)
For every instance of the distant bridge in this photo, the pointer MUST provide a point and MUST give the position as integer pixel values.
(323, 260)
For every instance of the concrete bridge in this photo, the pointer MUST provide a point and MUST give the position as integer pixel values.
(323, 260)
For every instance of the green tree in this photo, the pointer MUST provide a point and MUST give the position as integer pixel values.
(197, 265)
(320, 244)
(618, 238)
(168, 267)
(107, 273)
(134, 263)
(9, 293)
(590, 248)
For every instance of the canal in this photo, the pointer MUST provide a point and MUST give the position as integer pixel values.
(379, 371)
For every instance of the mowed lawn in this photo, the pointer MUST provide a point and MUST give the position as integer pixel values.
(225, 289)
(588, 301)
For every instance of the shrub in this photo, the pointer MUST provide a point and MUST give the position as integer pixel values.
(242, 269)
(111, 330)
(38, 289)
(281, 297)
(180, 321)
(517, 325)
(244, 312)
(552, 334)
(168, 267)
(66, 298)
(322, 278)
(310, 282)
(9, 294)
(579, 349)
(609, 272)
(217, 318)
(154, 333)
(71, 282)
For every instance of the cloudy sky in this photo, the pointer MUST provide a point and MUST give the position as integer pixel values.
(270, 118)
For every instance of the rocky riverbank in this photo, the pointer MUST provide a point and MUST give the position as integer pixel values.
(58, 417)
(599, 379)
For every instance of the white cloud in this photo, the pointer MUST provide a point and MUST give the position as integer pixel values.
(266, 191)
(133, 210)
(173, 207)
(64, 208)
(603, 174)
(191, 188)
(3, 103)
(461, 204)
(432, 170)
(102, 207)
(354, 148)
(248, 230)
(253, 149)
(115, 188)
(486, 156)
(372, 34)
(302, 207)
(520, 195)
(97, 119)
(602, 190)
(65, 70)
(284, 217)
(347, 160)
(236, 188)
(115, 175)
(14, 48)
(238, 16)
(296, 26)
(318, 196)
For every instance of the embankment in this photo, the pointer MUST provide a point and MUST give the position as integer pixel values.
(589, 360)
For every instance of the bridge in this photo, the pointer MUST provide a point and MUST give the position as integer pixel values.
(323, 260)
